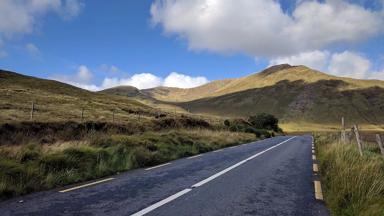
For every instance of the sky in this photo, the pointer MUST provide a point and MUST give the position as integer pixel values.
(95, 44)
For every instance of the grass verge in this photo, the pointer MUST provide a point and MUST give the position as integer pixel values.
(353, 185)
(33, 167)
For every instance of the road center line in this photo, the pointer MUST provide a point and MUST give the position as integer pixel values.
(162, 202)
(86, 185)
(181, 193)
(154, 167)
(236, 165)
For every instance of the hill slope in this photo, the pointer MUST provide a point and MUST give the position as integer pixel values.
(55, 101)
(301, 97)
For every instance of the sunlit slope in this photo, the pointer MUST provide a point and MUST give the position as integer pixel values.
(57, 101)
(268, 77)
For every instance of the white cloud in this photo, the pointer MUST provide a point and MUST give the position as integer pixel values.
(71, 8)
(183, 81)
(148, 80)
(349, 64)
(344, 64)
(260, 27)
(19, 17)
(32, 49)
(316, 59)
(140, 81)
(109, 68)
(82, 78)
(84, 75)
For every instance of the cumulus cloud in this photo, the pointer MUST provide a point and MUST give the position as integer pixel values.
(19, 17)
(148, 80)
(316, 59)
(140, 81)
(183, 81)
(350, 64)
(345, 64)
(83, 78)
(261, 28)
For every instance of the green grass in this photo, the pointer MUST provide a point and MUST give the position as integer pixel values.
(352, 185)
(34, 167)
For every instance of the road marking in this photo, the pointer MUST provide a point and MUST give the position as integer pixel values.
(315, 168)
(232, 147)
(313, 157)
(162, 202)
(199, 155)
(154, 167)
(219, 150)
(236, 165)
(313, 151)
(318, 191)
(86, 185)
(181, 193)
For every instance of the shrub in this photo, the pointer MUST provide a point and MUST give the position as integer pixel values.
(264, 121)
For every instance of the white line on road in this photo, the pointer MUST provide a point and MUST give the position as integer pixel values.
(175, 196)
(154, 167)
(162, 202)
(219, 150)
(86, 185)
(236, 165)
(232, 147)
(199, 155)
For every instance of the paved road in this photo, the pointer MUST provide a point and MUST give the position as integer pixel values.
(269, 177)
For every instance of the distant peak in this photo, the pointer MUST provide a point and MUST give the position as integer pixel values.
(276, 68)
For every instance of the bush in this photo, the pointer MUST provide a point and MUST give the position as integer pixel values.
(265, 121)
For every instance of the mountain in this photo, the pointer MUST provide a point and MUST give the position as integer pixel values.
(302, 98)
(56, 101)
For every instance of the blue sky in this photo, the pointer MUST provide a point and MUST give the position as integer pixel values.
(185, 43)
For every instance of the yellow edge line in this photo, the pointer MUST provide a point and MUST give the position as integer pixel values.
(86, 185)
(318, 191)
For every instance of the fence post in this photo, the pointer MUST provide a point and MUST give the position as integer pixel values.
(32, 110)
(357, 133)
(343, 135)
(82, 115)
(380, 142)
(113, 116)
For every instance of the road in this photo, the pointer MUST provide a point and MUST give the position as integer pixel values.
(268, 177)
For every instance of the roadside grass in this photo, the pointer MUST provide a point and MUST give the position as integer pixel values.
(35, 166)
(353, 185)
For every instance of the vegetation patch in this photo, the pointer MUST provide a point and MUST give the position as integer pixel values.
(353, 184)
(34, 167)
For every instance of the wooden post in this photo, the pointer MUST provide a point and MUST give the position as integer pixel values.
(380, 142)
(343, 135)
(32, 110)
(113, 116)
(359, 145)
(82, 115)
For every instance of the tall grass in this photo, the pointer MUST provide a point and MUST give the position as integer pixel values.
(37, 167)
(353, 185)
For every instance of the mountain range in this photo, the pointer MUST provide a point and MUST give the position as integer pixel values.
(302, 98)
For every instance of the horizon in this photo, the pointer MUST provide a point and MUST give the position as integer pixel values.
(94, 46)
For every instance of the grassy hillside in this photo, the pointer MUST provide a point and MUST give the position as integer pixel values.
(304, 99)
(55, 101)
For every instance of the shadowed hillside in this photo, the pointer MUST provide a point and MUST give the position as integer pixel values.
(323, 103)
(302, 98)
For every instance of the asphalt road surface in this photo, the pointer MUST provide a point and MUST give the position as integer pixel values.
(269, 177)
